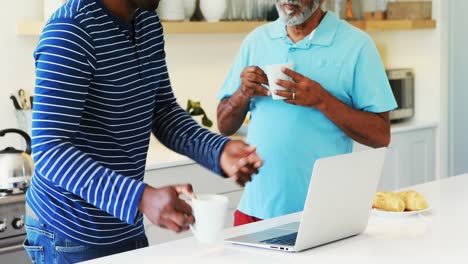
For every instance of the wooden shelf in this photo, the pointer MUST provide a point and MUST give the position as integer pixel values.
(387, 25)
(35, 28)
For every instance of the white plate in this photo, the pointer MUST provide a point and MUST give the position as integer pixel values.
(399, 214)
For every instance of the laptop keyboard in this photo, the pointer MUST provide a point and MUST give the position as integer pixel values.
(286, 240)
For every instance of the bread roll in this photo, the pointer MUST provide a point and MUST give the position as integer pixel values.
(388, 201)
(413, 200)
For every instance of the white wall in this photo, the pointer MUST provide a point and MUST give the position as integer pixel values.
(198, 64)
(17, 64)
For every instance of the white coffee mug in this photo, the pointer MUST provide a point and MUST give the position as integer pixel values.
(210, 213)
(275, 72)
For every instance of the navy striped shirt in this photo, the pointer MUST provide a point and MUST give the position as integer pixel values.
(99, 94)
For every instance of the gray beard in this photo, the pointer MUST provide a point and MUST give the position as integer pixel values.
(297, 19)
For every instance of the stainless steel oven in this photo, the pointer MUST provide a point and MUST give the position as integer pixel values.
(12, 232)
(402, 83)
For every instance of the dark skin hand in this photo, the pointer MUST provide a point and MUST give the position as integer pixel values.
(164, 208)
(232, 110)
(240, 161)
(371, 129)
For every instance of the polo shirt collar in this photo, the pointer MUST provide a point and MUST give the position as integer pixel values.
(324, 33)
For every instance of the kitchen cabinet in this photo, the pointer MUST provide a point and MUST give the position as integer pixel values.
(410, 158)
(203, 181)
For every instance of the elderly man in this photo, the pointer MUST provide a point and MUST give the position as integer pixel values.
(102, 87)
(339, 93)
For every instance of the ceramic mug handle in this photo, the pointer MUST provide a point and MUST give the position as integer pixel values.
(194, 230)
(192, 227)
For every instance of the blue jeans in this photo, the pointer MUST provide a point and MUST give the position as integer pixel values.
(44, 245)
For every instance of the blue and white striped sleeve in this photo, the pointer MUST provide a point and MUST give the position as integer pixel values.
(178, 131)
(64, 68)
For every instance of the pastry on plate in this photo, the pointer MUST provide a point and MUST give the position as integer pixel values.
(388, 201)
(414, 201)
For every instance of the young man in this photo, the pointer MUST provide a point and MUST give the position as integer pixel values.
(340, 93)
(102, 87)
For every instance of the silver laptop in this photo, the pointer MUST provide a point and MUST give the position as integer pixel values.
(337, 206)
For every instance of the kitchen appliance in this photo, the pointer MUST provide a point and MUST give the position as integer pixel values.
(402, 84)
(321, 223)
(16, 166)
(16, 170)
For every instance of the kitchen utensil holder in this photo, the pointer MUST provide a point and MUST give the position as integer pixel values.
(24, 119)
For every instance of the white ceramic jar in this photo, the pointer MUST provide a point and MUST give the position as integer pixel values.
(189, 8)
(213, 10)
(50, 6)
(171, 10)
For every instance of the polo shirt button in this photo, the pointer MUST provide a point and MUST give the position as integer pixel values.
(292, 49)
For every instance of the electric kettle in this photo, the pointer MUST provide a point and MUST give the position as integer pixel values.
(16, 166)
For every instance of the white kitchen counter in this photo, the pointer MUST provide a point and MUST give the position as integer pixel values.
(412, 125)
(440, 236)
(161, 157)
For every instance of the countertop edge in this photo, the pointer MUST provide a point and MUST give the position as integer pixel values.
(163, 165)
(413, 125)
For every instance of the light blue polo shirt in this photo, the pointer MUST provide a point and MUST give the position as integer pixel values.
(289, 138)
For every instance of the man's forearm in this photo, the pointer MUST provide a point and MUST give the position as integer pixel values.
(178, 131)
(371, 129)
(232, 112)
